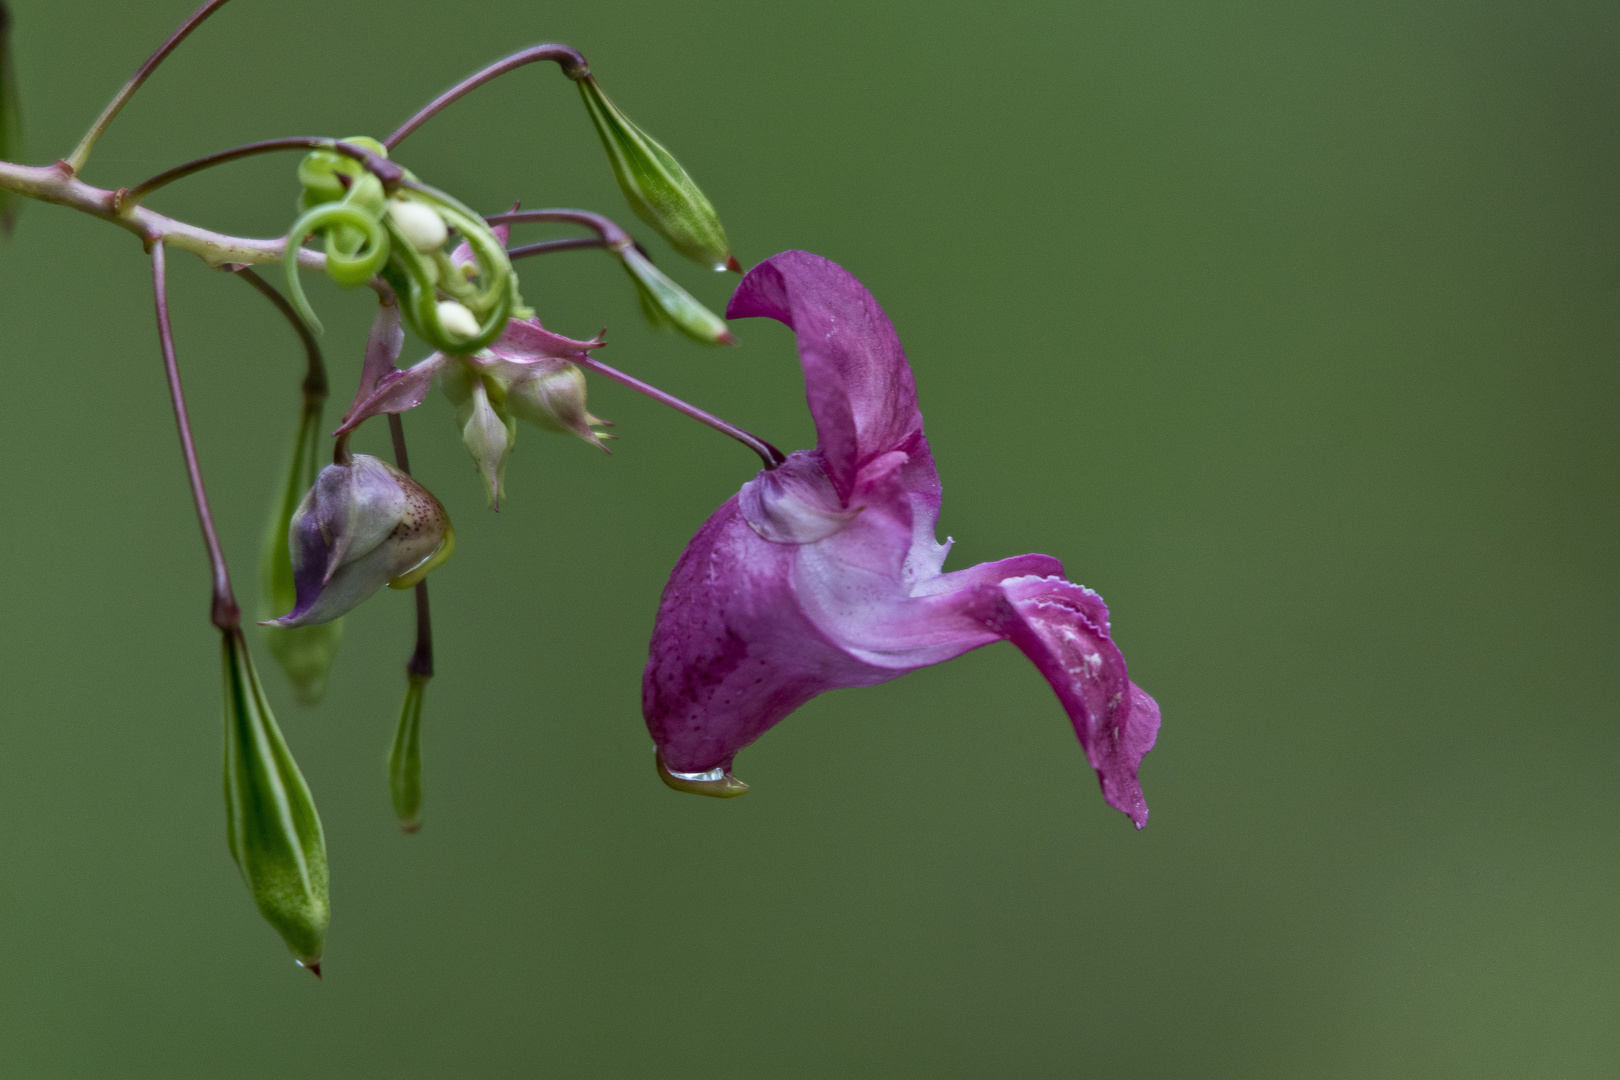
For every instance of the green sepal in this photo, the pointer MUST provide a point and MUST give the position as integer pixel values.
(666, 304)
(10, 119)
(304, 653)
(655, 185)
(405, 758)
(271, 824)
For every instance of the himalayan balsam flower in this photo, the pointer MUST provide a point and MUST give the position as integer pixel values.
(824, 573)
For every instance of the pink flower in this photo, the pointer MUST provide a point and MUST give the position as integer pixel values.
(824, 572)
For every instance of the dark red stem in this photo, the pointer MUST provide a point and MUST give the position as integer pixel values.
(770, 455)
(76, 159)
(544, 247)
(572, 63)
(383, 169)
(224, 612)
(315, 385)
(420, 665)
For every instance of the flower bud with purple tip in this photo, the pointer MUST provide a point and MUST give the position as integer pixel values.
(363, 525)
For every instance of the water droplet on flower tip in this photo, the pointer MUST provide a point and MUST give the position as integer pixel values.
(717, 783)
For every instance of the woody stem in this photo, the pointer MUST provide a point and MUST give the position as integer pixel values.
(75, 161)
(223, 612)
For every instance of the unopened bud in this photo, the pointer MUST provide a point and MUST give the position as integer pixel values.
(667, 305)
(487, 429)
(656, 186)
(419, 224)
(554, 400)
(304, 653)
(405, 759)
(271, 824)
(362, 526)
(457, 320)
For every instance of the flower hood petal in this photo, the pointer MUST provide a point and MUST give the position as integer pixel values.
(860, 388)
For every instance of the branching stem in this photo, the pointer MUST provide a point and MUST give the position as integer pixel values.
(223, 610)
(57, 184)
(75, 161)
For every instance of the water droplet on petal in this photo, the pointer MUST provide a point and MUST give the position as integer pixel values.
(717, 783)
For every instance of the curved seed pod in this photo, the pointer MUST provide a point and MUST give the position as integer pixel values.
(655, 185)
(666, 304)
(272, 827)
(304, 653)
(405, 758)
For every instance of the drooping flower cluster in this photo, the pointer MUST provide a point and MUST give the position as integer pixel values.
(822, 572)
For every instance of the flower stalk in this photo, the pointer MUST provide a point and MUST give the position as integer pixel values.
(405, 755)
(223, 611)
(572, 63)
(81, 153)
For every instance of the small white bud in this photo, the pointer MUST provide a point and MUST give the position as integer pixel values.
(457, 320)
(418, 223)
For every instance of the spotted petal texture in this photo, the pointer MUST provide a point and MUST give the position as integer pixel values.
(825, 573)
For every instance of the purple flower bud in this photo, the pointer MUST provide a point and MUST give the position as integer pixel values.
(362, 526)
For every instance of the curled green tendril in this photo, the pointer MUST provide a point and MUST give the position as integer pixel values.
(346, 203)
(418, 279)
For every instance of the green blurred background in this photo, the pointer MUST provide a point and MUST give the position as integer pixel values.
(1290, 327)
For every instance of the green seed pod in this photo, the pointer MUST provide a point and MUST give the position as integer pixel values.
(274, 832)
(405, 758)
(666, 304)
(304, 653)
(656, 186)
(10, 119)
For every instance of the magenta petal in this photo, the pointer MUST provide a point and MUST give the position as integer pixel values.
(731, 653)
(1063, 629)
(825, 573)
(382, 348)
(397, 392)
(526, 339)
(859, 385)
(463, 253)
